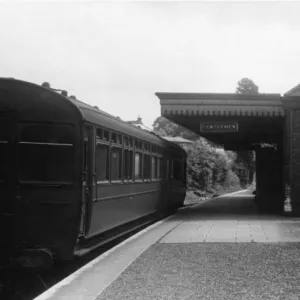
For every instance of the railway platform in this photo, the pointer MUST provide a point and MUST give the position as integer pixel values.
(220, 249)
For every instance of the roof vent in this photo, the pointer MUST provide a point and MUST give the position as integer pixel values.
(46, 85)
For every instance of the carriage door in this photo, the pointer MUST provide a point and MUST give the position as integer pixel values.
(89, 188)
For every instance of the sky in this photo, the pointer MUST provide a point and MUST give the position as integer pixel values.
(117, 55)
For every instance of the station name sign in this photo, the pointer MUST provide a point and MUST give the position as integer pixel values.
(226, 126)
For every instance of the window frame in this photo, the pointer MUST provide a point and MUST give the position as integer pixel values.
(68, 141)
(120, 165)
(152, 157)
(138, 149)
(129, 157)
(103, 137)
(107, 144)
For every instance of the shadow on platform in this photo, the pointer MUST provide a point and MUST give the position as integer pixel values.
(238, 205)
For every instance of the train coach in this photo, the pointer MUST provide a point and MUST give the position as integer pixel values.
(73, 176)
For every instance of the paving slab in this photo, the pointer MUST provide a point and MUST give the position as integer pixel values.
(232, 218)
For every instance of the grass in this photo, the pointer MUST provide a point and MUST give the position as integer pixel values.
(192, 198)
(195, 196)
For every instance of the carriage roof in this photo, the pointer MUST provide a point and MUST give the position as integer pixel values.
(45, 104)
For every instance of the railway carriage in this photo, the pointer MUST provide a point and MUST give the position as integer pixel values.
(73, 176)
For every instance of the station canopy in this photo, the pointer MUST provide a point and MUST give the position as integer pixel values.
(233, 120)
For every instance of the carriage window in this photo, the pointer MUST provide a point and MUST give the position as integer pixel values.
(147, 166)
(46, 162)
(128, 156)
(158, 168)
(45, 133)
(116, 163)
(126, 141)
(119, 139)
(46, 153)
(102, 162)
(99, 133)
(106, 135)
(154, 168)
(138, 166)
(114, 137)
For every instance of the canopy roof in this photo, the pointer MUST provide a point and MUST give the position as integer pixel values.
(233, 120)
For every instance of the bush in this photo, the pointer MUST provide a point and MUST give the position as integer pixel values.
(213, 171)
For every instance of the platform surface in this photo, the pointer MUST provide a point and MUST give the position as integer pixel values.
(232, 218)
(221, 249)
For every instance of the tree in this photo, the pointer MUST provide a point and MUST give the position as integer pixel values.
(164, 127)
(247, 87)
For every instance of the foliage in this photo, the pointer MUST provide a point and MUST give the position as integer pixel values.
(245, 166)
(199, 165)
(164, 127)
(210, 169)
(246, 87)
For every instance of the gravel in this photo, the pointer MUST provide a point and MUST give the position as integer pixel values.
(211, 271)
